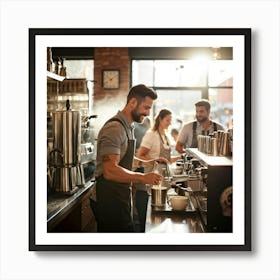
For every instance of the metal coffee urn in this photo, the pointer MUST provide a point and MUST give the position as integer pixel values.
(64, 159)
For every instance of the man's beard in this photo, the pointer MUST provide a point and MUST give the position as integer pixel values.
(136, 117)
(202, 119)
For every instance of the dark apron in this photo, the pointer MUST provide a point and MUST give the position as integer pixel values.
(165, 153)
(113, 198)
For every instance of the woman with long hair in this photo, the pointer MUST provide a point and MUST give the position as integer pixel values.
(156, 143)
(155, 146)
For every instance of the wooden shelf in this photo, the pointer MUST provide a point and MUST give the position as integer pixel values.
(55, 76)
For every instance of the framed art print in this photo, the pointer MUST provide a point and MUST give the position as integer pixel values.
(79, 78)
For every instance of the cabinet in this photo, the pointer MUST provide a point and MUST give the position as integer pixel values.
(78, 218)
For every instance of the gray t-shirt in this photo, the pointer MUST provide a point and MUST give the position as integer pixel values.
(112, 140)
(186, 134)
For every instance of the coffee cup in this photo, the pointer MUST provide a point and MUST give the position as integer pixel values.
(178, 202)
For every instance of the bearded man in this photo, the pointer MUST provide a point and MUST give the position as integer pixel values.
(114, 161)
(202, 126)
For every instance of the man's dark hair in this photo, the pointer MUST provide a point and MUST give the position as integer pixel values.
(140, 92)
(203, 103)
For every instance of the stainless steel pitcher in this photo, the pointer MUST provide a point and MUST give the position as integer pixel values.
(159, 194)
(225, 144)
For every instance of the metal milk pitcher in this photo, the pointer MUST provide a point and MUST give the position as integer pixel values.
(225, 144)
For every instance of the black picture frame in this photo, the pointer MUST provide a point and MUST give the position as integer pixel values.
(34, 121)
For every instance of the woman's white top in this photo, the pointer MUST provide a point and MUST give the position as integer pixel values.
(151, 141)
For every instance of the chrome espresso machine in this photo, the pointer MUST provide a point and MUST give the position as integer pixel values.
(209, 171)
(65, 172)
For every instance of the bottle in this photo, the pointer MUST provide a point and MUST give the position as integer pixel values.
(49, 59)
(62, 71)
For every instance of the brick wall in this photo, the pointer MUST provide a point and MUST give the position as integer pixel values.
(107, 102)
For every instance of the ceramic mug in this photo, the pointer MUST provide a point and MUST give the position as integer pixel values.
(178, 202)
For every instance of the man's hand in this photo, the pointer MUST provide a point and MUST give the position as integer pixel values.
(162, 160)
(152, 178)
(180, 147)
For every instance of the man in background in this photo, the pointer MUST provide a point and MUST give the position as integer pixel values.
(202, 126)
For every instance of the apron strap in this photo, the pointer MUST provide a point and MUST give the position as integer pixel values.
(215, 126)
(118, 120)
(128, 156)
(194, 138)
(166, 153)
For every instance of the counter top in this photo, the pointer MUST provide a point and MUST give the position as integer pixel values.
(157, 221)
(212, 160)
(172, 221)
(58, 204)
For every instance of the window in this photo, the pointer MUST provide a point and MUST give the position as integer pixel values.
(143, 72)
(169, 73)
(180, 103)
(79, 69)
(180, 73)
(82, 69)
(180, 83)
(221, 105)
(220, 73)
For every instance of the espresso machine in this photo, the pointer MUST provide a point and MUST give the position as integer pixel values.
(65, 173)
(210, 179)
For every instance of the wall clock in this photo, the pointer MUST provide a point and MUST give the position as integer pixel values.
(110, 79)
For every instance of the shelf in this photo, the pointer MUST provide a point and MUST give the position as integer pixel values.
(55, 76)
